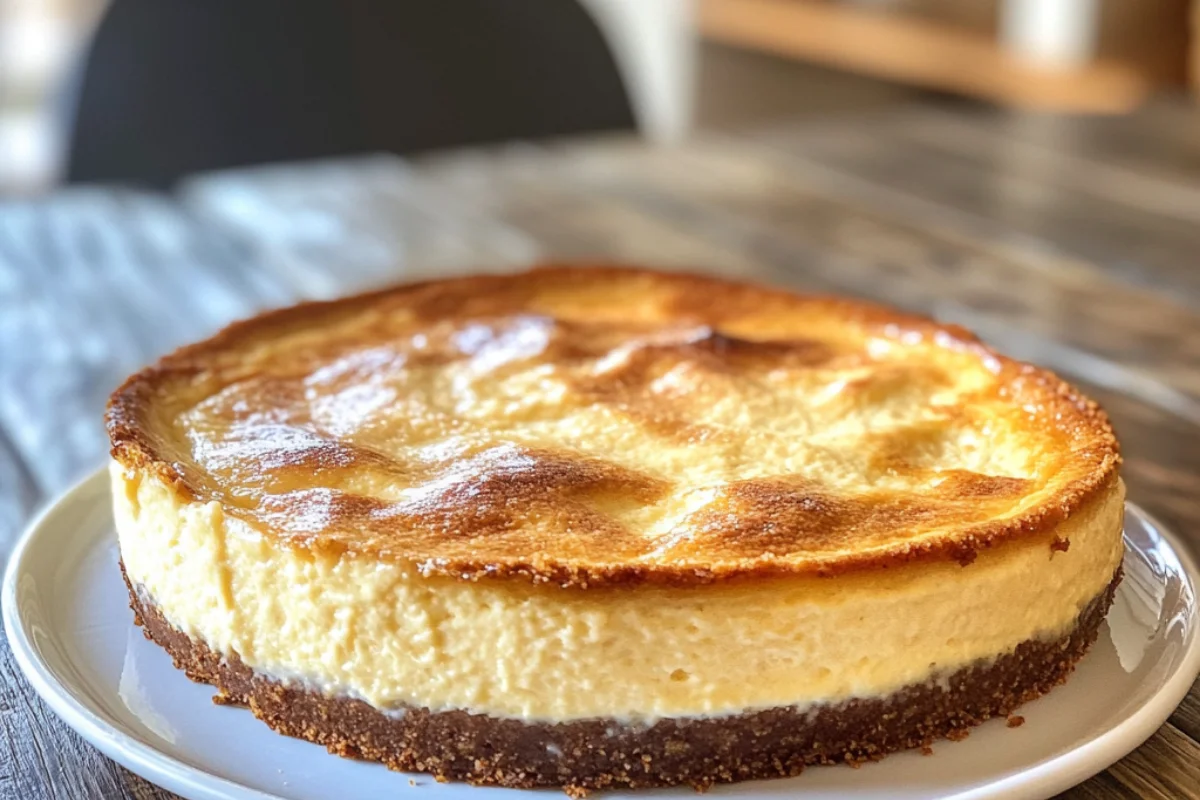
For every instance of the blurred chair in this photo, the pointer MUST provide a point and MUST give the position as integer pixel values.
(172, 87)
(655, 44)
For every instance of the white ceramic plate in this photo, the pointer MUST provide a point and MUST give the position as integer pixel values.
(66, 613)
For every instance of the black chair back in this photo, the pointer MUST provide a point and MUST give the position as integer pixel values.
(172, 87)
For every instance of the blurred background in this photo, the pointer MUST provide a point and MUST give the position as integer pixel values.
(685, 63)
(1027, 168)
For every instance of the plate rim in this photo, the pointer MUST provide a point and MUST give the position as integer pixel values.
(114, 742)
(1055, 774)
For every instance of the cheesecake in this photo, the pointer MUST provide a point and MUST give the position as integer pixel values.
(601, 527)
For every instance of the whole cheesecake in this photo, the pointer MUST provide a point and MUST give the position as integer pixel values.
(600, 527)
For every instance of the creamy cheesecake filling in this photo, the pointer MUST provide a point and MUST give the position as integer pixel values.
(384, 633)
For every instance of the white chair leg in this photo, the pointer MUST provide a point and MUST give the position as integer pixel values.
(654, 44)
(1056, 33)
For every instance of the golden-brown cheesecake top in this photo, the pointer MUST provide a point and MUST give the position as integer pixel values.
(602, 425)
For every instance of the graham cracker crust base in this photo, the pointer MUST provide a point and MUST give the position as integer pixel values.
(586, 755)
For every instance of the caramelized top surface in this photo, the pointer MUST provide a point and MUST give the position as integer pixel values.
(588, 426)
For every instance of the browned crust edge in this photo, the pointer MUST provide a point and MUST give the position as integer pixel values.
(129, 407)
(602, 754)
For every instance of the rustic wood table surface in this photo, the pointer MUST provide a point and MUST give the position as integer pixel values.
(1069, 242)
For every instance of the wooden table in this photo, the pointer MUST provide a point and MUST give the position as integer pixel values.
(1068, 242)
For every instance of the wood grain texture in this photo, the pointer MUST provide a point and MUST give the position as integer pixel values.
(1167, 765)
(924, 52)
(1066, 242)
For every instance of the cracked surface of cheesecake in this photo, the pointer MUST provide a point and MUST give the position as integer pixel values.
(601, 526)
